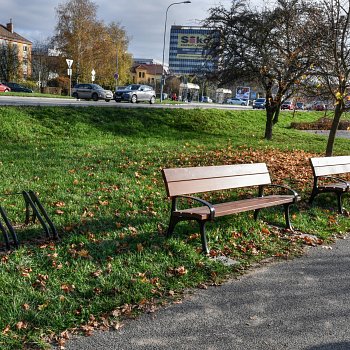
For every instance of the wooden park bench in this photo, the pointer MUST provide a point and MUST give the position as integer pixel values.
(181, 182)
(323, 169)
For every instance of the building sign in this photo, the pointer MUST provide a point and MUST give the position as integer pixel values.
(192, 46)
(193, 41)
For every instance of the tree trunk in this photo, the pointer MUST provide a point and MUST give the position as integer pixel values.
(332, 133)
(269, 123)
(276, 115)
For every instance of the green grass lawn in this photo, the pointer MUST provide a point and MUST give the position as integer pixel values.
(97, 171)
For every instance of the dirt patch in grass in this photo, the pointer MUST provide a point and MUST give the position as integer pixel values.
(321, 124)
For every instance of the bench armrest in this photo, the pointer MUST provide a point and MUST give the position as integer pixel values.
(196, 199)
(294, 193)
(334, 178)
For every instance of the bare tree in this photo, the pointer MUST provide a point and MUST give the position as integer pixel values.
(272, 46)
(332, 71)
(42, 63)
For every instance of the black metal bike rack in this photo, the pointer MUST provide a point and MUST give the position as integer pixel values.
(38, 211)
(34, 210)
(8, 229)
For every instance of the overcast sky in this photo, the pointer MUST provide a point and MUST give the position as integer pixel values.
(143, 20)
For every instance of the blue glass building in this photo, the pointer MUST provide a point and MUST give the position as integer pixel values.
(187, 50)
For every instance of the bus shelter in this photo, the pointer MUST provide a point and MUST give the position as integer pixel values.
(189, 92)
(222, 95)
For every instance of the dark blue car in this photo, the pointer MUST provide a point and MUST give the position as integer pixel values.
(18, 88)
(259, 103)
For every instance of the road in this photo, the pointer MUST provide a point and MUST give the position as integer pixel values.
(41, 101)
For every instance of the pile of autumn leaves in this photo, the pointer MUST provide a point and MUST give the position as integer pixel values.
(288, 167)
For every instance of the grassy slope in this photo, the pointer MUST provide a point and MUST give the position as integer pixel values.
(97, 172)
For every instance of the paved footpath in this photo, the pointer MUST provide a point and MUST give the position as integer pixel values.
(303, 303)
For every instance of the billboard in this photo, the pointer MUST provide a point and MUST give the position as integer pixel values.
(187, 50)
(243, 92)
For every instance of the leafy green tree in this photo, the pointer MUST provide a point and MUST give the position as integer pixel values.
(9, 62)
(90, 43)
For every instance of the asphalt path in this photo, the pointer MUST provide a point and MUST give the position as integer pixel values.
(302, 303)
(41, 101)
(340, 133)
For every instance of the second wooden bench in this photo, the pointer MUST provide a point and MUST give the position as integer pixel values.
(181, 182)
(324, 169)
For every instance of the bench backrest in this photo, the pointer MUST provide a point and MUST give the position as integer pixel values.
(180, 181)
(322, 166)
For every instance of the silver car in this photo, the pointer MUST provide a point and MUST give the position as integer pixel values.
(135, 93)
(91, 91)
(236, 101)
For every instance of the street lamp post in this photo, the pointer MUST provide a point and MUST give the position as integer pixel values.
(166, 17)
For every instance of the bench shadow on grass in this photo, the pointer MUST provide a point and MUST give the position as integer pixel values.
(328, 201)
(100, 236)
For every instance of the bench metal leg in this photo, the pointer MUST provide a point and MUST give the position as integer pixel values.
(172, 224)
(175, 220)
(205, 248)
(339, 201)
(313, 195)
(256, 213)
(287, 216)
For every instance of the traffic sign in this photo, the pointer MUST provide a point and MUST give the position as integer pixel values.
(116, 76)
(69, 62)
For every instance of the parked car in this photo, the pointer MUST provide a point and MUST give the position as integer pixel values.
(299, 105)
(18, 88)
(207, 99)
(319, 106)
(135, 93)
(236, 101)
(4, 88)
(287, 105)
(91, 91)
(259, 103)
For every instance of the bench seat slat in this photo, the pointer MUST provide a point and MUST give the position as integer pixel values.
(222, 209)
(323, 166)
(339, 186)
(332, 169)
(194, 173)
(323, 161)
(216, 184)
